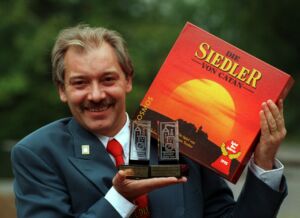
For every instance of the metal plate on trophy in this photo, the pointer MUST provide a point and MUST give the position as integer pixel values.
(168, 170)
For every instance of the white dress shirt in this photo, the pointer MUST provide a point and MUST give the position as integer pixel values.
(125, 208)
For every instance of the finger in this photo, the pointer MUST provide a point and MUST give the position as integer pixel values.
(154, 183)
(270, 119)
(276, 114)
(280, 106)
(119, 177)
(281, 122)
(264, 124)
(160, 182)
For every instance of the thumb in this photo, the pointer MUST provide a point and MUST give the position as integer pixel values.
(119, 178)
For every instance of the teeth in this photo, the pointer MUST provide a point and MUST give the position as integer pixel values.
(99, 109)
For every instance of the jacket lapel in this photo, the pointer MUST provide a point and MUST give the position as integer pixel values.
(91, 158)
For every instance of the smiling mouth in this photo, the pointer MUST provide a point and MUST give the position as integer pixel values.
(98, 109)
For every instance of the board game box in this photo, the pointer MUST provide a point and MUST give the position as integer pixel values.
(215, 91)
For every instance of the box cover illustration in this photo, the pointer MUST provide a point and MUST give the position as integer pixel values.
(215, 91)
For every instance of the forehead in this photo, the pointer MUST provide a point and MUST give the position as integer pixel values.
(103, 50)
(100, 58)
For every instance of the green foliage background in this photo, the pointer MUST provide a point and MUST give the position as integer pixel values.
(28, 99)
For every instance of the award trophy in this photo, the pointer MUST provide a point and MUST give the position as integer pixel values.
(168, 140)
(139, 153)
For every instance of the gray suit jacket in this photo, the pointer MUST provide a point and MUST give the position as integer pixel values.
(54, 179)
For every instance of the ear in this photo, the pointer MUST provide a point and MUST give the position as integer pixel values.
(62, 93)
(128, 84)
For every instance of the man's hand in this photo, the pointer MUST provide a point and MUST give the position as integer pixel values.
(131, 189)
(273, 131)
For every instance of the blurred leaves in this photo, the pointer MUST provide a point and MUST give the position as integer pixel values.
(28, 99)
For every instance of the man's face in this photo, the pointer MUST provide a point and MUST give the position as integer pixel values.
(95, 89)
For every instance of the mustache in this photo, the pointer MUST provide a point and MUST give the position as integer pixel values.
(101, 104)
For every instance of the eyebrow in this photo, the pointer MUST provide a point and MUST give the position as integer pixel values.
(82, 75)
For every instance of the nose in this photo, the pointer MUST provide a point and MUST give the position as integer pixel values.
(96, 93)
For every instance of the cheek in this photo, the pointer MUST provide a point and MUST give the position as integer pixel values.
(122, 95)
(115, 91)
(75, 98)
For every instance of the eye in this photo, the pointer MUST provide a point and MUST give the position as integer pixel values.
(78, 83)
(109, 80)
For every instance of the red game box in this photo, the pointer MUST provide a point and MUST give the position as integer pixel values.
(215, 91)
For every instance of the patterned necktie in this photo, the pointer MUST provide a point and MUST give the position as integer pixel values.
(116, 150)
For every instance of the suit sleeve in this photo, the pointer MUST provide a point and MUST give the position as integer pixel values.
(40, 192)
(256, 199)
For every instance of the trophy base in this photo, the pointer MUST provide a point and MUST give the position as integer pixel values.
(168, 170)
(152, 171)
(135, 171)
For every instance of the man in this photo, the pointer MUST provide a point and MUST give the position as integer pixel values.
(64, 170)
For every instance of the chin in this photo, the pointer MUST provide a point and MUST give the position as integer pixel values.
(100, 127)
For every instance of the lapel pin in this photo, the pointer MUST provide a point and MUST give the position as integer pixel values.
(85, 149)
